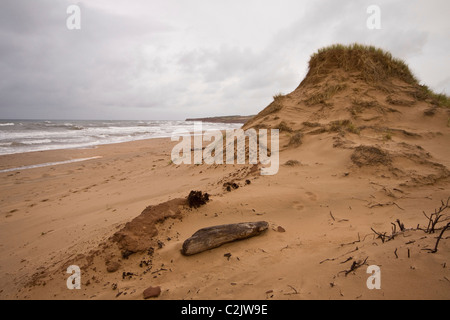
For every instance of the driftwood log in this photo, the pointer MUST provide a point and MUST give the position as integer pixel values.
(213, 237)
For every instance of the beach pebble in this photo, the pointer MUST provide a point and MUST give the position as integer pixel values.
(152, 292)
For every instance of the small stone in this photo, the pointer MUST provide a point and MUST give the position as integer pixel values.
(112, 266)
(281, 229)
(152, 292)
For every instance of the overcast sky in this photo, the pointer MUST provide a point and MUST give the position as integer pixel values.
(173, 59)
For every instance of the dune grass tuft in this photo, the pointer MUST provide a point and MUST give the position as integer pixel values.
(440, 99)
(283, 127)
(343, 125)
(278, 96)
(324, 94)
(374, 64)
(296, 139)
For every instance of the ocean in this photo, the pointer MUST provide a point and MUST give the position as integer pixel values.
(18, 136)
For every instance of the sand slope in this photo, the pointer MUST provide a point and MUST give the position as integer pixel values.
(357, 155)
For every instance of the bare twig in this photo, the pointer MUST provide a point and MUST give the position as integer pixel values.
(347, 260)
(295, 290)
(394, 229)
(434, 218)
(356, 241)
(332, 259)
(331, 214)
(162, 269)
(385, 204)
(439, 238)
(382, 236)
(355, 265)
(401, 225)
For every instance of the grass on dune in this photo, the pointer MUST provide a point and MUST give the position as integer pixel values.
(374, 64)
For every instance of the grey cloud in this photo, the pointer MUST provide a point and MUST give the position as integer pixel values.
(47, 67)
(180, 62)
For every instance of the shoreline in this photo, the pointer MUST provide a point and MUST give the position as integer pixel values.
(68, 154)
(60, 135)
(29, 158)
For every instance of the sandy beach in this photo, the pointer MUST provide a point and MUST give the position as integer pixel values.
(363, 182)
(64, 214)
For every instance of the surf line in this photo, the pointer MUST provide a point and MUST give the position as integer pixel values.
(47, 164)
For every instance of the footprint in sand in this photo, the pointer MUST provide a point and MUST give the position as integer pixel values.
(311, 196)
(297, 206)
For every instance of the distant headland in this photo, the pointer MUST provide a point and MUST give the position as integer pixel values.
(223, 119)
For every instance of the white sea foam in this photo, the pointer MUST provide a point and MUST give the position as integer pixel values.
(29, 136)
(36, 141)
(47, 164)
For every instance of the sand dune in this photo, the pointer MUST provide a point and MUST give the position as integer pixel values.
(364, 154)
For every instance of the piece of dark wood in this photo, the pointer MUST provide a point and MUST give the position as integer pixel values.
(213, 237)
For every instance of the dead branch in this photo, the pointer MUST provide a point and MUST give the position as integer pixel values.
(398, 206)
(355, 265)
(394, 229)
(295, 290)
(334, 219)
(332, 259)
(213, 237)
(392, 203)
(435, 217)
(381, 236)
(347, 260)
(331, 214)
(401, 225)
(162, 269)
(440, 237)
(356, 241)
